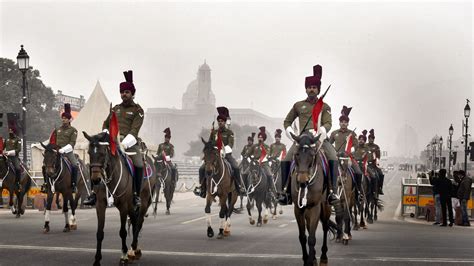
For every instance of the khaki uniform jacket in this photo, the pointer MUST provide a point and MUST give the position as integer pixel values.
(227, 136)
(129, 117)
(374, 151)
(339, 139)
(360, 152)
(256, 150)
(66, 135)
(168, 148)
(276, 149)
(13, 144)
(245, 150)
(303, 110)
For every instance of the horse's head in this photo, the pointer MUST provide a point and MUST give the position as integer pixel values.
(51, 158)
(99, 152)
(211, 156)
(160, 164)
(305, 155)
(254, 171)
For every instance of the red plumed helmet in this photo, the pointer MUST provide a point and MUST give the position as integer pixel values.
(223, 113)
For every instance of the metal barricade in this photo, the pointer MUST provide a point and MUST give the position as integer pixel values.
(409, 196)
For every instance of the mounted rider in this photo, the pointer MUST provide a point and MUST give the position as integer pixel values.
(166, 151)
(277, 149)
(130, 117)
(361, 152)
(303, 110)
(12, 148)
(225, 136)
(260, 151)
(344, 140)
(247, 147)
(374, 159)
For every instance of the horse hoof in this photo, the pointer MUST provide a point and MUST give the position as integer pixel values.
(345, 242)
(365, 227)
(350, 237)
(259, 224)
(280, 212)
(17, 215)
(356, 227)
(46, 230)
(131, 255)
(220, 236)
(323, 263)
(226, 232)
(96, 263)
(67, 229)
(370, 221)
(73, 226)
(210, 232)
(123, 262)
(265, 221)
(138, 254)
(274, 217)
(375, 218)
(252, 221)
(167, 212)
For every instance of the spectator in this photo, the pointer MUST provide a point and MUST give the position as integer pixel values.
(434, 182)
(445, 190)
(464, 193)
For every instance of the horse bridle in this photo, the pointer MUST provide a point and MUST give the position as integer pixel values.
(101, 166)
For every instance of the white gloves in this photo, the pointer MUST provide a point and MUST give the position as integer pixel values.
(129, 141)
(288, 131)
(105, 130)
(168, 158)
(10, 153)
(323, 132)
(227, 149)
(66, 149)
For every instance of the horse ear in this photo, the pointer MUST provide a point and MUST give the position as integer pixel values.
(86, 136)
(203, 141)
(295, 138)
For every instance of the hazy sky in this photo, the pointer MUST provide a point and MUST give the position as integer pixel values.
(395, 63)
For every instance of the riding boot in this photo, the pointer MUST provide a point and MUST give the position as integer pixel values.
(45, 182)
(137, 181)
(358, 179)
(333, 199)
(91, 199)
(381, 177)
(17, 179)
(285, 197)
(74, 179)
(238, 186)
(200, 190)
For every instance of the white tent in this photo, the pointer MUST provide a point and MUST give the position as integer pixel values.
(90, 119)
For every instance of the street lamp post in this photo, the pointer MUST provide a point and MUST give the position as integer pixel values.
(451, 131)
(23, 64)
(467, 112)
(433, 146)
(440, 150)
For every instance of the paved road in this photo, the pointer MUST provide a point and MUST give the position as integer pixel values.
(180, 239)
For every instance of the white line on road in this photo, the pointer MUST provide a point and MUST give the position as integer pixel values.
(283, 225)
(197, 219)
(236, 255)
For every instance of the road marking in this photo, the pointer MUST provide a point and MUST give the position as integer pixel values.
(197, 219)
(293, 221)
(282, 225)
(236, 255)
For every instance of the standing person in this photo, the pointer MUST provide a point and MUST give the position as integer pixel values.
(303, 111)
(445, 189)
(130, 117)
(434, 182)
(374, 159)
(166, 151)
(12, 150)
(464, 194)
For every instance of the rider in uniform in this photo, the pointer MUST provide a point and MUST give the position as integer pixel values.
(374, 158)
(166, 151)
(260, 151)
(130, 117)
(12, 148)
(227, 136)
(303, 111)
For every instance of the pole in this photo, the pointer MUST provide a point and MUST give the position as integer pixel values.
(465, 149)
(449, 163)
(440, 153)
(23, 103)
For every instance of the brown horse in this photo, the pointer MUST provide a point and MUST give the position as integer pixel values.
(346, 191)
(58, 177)
(113, 183)
(219, 184)
(7, 174)
(309, 192)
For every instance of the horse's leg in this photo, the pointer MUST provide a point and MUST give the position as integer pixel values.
(11, 192)
(207, 210)
(66, 197)
(258, 203)
(339, 222)
(135, 220)
(299, 215)
(232, 199)
(222, 216)
(168, 196)
(100, 209)
(74, 202)
(19, 201)
(47, 212)
(249, 208)
(123, 235)
(324, 216)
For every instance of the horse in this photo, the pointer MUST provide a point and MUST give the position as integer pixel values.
(309, 192)
(373, 201)
(346, 192)
(276, 172)
(244, 169)
(166, 181)
(258, 192)
(57, 173)
(219, 184)
(361, 202)
(7, 174)
(111, 177)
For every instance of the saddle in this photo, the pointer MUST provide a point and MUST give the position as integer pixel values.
(148, 170)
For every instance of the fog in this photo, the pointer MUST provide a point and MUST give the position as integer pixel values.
(395, 63)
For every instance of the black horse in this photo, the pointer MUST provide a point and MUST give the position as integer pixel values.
(258, 193)
(167, 182)
(7, 174)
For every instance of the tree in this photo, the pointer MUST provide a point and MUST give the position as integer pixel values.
(41, 118)
(240, 139)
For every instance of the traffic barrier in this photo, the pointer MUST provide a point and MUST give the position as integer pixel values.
(417, 198)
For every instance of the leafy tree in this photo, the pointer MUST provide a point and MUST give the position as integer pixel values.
(240, 139)
(41, 118)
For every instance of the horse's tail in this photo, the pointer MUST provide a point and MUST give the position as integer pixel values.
(27, 187)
